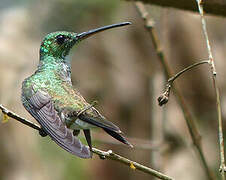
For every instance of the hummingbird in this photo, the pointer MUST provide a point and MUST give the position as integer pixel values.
(48, 95)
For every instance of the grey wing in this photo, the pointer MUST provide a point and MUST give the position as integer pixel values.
(42, 109)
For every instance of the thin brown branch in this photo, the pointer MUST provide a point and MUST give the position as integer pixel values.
(102, 154)
(215, 7)
(164, 97)
(196, 138)
(216, 88)
(186, 69)
(18, 118)
(132, 164)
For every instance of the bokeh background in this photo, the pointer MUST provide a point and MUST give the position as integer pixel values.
(118, 68)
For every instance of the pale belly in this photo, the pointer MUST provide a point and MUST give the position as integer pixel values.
(78, 124)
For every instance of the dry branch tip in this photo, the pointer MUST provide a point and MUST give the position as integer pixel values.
(164, 97)
(102, 154)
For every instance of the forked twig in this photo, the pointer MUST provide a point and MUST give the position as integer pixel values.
(186, 69)
(196, 138)
(102, 154)
(164, 97)
(216, 88)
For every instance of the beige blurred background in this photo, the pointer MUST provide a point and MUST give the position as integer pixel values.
(118, 68)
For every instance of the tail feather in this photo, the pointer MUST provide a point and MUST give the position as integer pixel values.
(107, 126)
(117, 136)
(102, 124)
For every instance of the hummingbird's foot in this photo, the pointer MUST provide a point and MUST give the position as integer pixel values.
(76, 132)
(42, 133)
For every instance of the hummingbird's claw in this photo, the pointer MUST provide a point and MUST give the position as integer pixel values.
(42, 133)
(76, 132)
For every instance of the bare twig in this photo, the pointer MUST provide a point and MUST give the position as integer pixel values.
(163, 98)
(196, 138)
(186, 69)
(20, 119)
(216, 88)
(157, 122)
(214, 7)
(102, 154)
(132, 164)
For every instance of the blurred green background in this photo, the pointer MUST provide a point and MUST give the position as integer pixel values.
(118, 68)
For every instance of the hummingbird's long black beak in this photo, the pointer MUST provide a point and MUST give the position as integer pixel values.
(85, 35)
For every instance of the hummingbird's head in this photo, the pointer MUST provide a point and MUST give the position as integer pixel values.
(58, 44)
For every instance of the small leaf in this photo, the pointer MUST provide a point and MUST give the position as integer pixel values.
(132, 166)
(5, 118)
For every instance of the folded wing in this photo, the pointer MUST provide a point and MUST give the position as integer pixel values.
(41, 107)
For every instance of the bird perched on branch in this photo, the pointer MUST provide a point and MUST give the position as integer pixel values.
(48, 95)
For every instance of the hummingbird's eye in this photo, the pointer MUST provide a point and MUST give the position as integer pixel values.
(60, 39)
